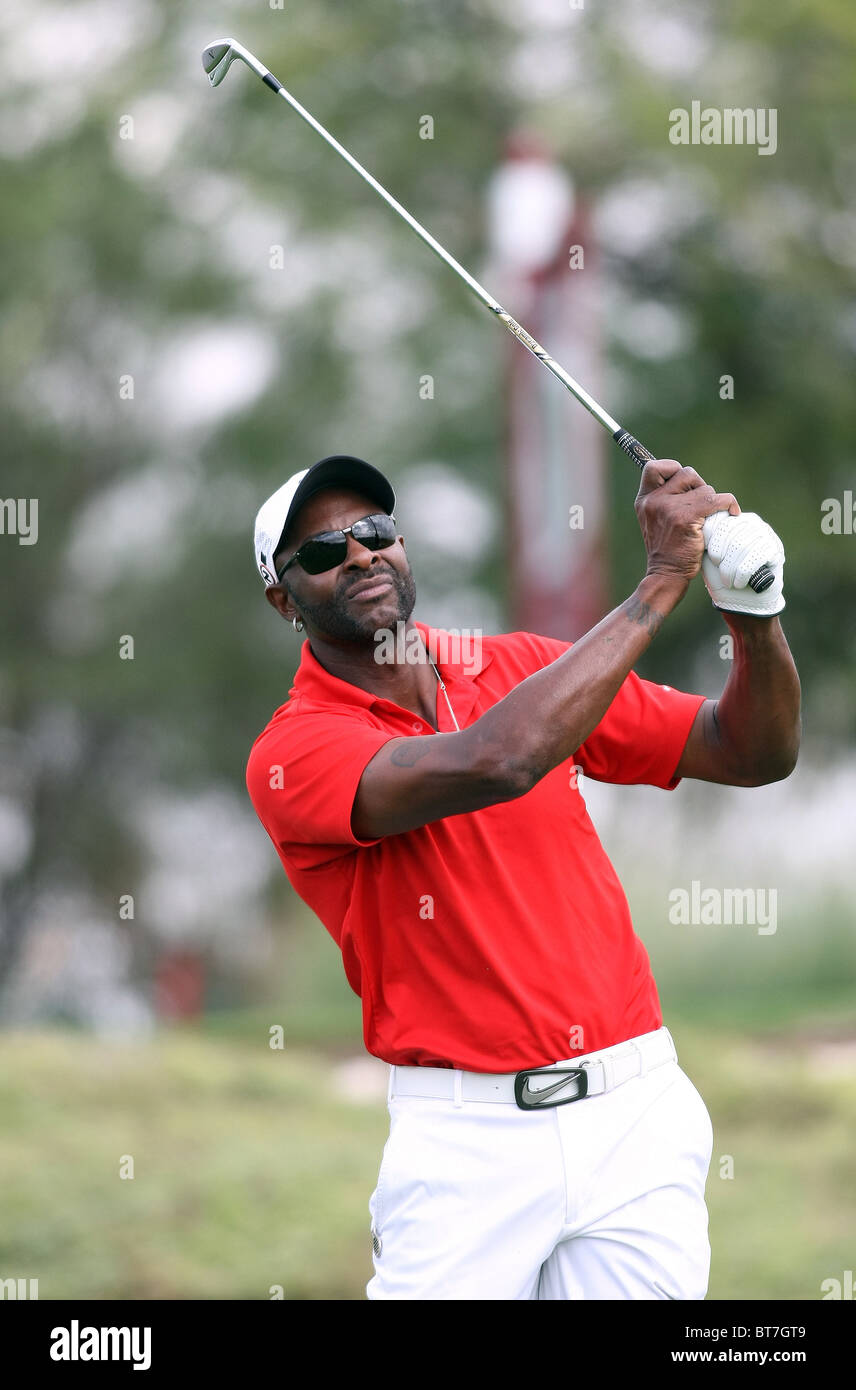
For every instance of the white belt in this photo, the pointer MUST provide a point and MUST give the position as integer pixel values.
(589, 1075)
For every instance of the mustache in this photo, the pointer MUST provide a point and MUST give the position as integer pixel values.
(387, 572)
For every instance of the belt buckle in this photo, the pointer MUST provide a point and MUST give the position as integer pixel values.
(527, 1099)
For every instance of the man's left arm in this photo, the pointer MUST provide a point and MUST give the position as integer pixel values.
(751, 734)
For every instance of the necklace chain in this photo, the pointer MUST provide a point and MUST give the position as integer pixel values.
(442, 686)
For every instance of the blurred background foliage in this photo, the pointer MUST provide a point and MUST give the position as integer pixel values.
(139, 215)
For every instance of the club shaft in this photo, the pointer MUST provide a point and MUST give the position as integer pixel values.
(631, 446)
(478, 290)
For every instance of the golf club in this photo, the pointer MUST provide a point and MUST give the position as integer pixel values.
(218, 57)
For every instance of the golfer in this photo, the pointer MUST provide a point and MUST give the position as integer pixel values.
(544, 1141)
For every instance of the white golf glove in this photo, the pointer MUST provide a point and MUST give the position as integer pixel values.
(736, 546)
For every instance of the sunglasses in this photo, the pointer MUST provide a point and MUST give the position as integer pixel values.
(328, 550)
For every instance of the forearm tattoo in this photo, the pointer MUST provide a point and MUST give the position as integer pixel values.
(643, 614)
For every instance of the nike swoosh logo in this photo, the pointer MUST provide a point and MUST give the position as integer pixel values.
(529, 1094)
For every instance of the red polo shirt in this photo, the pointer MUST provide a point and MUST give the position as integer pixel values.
(482, 940)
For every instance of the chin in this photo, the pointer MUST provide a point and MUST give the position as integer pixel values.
(385, 615)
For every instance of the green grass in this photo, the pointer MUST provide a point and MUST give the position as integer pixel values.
(250, 1171)
(247, 1173)
(784, 1108)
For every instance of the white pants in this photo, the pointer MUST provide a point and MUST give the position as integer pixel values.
(602, 1198)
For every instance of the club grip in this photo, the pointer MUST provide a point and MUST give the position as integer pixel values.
(639, 454)
(762, 578)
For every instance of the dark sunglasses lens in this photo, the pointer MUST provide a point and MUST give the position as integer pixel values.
(325, 552)
(320, 555)
(375, 532)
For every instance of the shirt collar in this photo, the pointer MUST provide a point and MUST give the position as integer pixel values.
(452, 657)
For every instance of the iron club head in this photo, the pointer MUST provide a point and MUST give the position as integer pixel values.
(218, 57)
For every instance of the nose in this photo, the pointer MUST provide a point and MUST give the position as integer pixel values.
(358, 556)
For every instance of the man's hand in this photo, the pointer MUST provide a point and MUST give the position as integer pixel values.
(672, 504)
(736, 548)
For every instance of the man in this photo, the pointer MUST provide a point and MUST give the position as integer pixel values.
(544, 1142)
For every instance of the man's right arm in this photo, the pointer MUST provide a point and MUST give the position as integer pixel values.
(544, 720)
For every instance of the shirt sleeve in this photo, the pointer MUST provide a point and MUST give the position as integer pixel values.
(642, 735)
(302, 777)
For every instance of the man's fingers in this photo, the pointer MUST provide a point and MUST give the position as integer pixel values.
(674, 478)
(702, 502)
(687, 480)
(723, 502)
(678, 511)
(656, 473)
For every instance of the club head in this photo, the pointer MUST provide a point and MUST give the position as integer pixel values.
(217, 59)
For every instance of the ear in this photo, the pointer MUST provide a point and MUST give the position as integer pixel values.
(279, 599)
